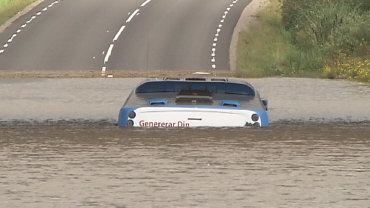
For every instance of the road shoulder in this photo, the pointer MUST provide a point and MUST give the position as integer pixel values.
(21, 13)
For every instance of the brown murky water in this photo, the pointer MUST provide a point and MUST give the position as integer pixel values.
(101, 165)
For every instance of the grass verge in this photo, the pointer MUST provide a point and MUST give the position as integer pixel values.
(265, 48)
(268, 48)
(9, 8)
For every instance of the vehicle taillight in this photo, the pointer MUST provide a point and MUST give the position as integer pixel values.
(130, 123)
(132, 114)
(255, 117)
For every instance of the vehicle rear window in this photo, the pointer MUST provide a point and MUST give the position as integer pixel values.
(213, 87)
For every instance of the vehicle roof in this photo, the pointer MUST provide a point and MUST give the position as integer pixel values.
(199, 79)
(171, 90)
(214, 85)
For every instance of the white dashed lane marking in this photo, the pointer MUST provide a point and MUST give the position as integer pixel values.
(11, 39)
(39, 13)
(109, 52)
(118, 34)
(217, 34)
(145, 3)
(132, 16)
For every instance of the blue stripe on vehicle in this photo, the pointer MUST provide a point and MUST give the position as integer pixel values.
(123, 116)
(264, 117)
(158, 101)
(230, 103)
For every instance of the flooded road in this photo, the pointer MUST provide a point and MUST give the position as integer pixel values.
(290, 99)
(60, 148)
(101, 165)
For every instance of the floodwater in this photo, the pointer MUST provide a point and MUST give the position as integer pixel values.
(102, 165)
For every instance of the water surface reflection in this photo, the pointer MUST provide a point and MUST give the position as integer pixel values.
(101, 165)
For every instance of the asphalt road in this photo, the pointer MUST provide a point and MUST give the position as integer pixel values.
(127, 35)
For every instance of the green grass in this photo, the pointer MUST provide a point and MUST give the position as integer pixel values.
(271, 48)
(266, 48)
(9, 8)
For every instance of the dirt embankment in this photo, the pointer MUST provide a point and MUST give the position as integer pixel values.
(247, 18)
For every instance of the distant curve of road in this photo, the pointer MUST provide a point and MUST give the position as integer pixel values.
(122, 35)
